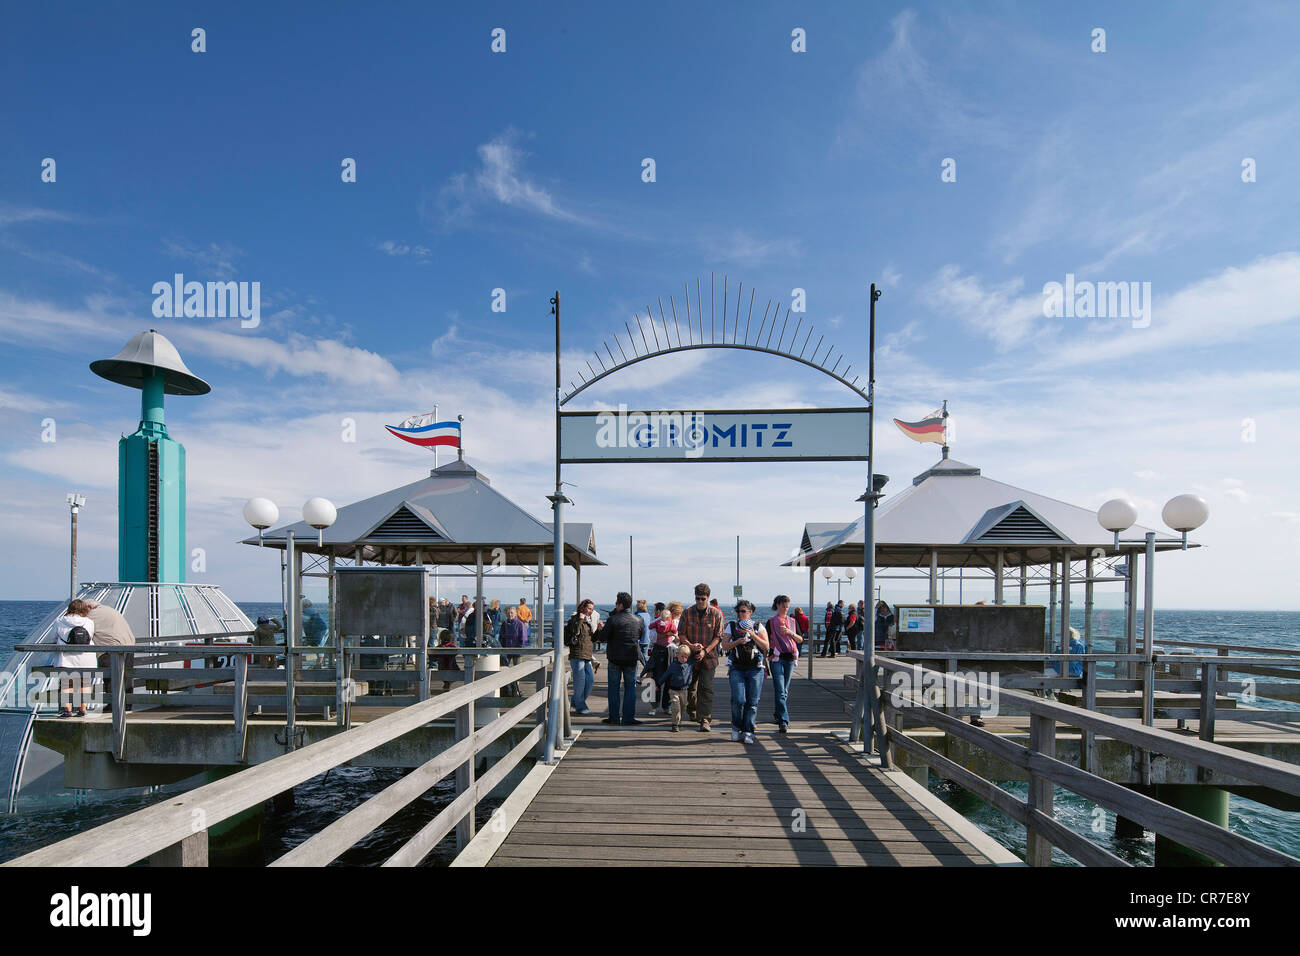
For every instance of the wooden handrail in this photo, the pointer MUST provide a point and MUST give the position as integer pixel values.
(141, 834)
(1045, 770)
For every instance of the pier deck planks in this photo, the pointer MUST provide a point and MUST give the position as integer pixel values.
(644, 796)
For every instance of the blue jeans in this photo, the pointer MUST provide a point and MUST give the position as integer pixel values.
(622, 707)
(745, 688)
(782, 671)
(583, 678)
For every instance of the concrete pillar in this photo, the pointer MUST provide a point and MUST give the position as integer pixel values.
(1126, 829)
(237, 840)
(1208, 803)
(999, 569)
(934, 576)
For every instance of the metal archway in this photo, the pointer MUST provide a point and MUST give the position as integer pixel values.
(664, 344)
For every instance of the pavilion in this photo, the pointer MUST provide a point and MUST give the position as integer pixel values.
(955, 518)
(451, 517)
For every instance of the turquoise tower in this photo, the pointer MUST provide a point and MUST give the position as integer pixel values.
(150, 464)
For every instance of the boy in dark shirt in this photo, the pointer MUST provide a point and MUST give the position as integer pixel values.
(678, 680)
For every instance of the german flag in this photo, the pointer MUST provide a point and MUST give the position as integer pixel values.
(930, 428)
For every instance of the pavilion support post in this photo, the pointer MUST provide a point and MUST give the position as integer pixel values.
(998, 572)
(1065, 607)
(1130, 610)
(478, 599)
(934, 576)
(292, 615)
(540, 603)
(1087, 603)
(1051, 603)
(1148, 632)
(809, 643)
(1024, 579)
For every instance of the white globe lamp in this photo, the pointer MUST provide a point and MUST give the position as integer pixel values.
(320, 513)
(1116, 515)
(261, 513)
(1185, 513)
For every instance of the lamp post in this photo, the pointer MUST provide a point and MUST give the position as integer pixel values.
(1183, 513)
(319, 513)
(828, 574)
(75, 503)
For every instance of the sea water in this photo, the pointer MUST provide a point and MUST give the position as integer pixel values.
(323, 799)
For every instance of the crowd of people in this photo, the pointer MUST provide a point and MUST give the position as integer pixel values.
(674, 652)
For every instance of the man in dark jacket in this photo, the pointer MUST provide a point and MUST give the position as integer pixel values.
(622, 636)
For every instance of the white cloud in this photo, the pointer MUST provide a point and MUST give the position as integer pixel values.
(401, 249)
(216, 258)
(500, 178)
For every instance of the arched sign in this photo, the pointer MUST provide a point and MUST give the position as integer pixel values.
(711, 435)
(644, 435)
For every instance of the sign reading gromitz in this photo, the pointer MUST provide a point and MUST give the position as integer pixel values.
(802, 434)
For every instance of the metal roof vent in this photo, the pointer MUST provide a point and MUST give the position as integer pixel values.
(1013, 523)
(403, 525)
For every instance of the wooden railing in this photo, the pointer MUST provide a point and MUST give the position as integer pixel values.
(1040, 763)
(174, 832)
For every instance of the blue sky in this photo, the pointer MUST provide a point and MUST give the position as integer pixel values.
(522, 171)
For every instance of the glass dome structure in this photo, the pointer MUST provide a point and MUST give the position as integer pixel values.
(157, 613)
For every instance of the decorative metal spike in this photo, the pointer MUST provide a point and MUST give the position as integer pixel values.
(600, 360)
(805, 341)
(819, 344)
(766, 310)
(699, 306)
(620, 347)
(783, 325)
(611, 354)
(795, 338)
(773, 328)
(837, 363)
(643, 338)
(651, 316)
(690, 327)
(749, 318)
(735, 327)
(713, 332)
(845, 373)
(664, 319)
(675, 325)
(724, 308)
(631, 338)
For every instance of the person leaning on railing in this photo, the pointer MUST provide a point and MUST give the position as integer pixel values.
(111, 628)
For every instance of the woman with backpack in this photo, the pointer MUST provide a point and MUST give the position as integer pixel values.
(580, 638)
(746, 643)
(783, 634)
(73, 628)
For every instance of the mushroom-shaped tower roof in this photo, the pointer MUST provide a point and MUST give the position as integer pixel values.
(151, 351)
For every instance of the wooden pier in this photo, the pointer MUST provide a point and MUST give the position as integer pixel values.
(646, 796)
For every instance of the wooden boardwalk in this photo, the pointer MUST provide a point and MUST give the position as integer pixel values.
(645, 796)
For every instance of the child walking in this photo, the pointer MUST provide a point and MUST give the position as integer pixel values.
(677, 680)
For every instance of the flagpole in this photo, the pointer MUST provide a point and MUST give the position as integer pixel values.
(945, 429)
(460, 439)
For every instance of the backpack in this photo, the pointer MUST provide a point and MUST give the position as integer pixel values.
(78, 635)
(745, 656)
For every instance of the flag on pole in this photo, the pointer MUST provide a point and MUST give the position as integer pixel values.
(930, 428)
(422, 430)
